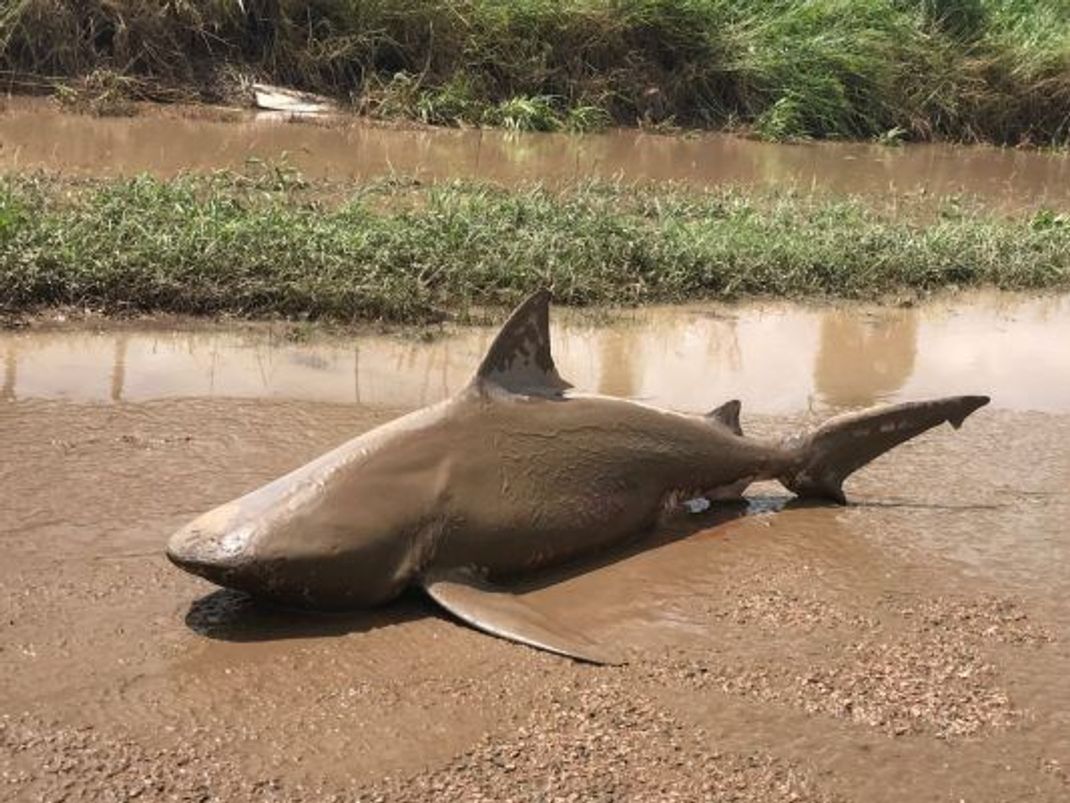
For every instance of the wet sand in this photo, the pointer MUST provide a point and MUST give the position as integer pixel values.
(912, 646)
(36, 134)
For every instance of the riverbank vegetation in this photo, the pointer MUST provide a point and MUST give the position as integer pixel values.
(968, 70)
(273, 245)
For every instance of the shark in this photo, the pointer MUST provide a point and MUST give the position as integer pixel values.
(513, 474)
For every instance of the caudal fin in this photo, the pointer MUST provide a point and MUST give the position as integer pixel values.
(842, 445)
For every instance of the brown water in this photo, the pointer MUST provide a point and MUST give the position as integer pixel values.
(910, 646)
(778, 358)
(34, 134)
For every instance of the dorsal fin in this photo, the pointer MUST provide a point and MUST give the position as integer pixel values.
(519, 359)
(728, 415)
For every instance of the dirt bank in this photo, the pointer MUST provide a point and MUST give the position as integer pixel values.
(969, 70)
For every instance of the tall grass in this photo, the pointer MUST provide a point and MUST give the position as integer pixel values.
(404, 252)
(995, 70)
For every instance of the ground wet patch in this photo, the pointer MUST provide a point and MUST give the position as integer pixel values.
(799, 611)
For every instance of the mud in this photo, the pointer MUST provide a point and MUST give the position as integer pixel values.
(35, 134)
(911, 646)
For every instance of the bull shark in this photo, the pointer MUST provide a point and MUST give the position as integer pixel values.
(511, 475)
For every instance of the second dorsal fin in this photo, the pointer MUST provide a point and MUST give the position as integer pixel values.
(727, 415)
(519, 360)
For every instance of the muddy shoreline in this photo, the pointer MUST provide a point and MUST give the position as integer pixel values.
(910, 646)
(815, 652)
(352, 223)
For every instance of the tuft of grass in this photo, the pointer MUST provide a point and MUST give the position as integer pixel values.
(525, 114)
(454, 103)
(103, 92)
(265, 244)
(12, 213)
(969, 70)
(585, 119)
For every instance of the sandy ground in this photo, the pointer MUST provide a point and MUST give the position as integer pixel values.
(912, 646)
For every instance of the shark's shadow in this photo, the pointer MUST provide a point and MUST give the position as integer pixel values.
(228, 615)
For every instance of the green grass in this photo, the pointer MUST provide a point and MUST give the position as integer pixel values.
(995, 70)
(271, 245)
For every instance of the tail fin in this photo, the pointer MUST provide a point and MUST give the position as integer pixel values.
(842, 445)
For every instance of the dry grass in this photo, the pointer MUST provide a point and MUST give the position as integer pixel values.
(958, 69)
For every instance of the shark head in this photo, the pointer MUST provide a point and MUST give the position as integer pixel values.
(332, 534)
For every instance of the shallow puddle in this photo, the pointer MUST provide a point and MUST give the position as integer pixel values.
(776, 358)
(34, 134)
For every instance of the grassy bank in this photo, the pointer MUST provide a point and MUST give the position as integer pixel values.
(272, 245)
(996, 70)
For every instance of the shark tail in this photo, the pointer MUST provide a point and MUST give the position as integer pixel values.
(823, 459)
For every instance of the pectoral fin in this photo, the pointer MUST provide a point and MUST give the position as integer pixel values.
(501, 613)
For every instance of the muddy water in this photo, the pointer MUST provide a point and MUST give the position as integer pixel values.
(776, 358)
(33, 134)
(910, 646)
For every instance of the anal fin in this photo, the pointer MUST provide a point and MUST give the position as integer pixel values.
(500, 613)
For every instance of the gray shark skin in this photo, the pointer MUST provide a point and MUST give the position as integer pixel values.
(511, 475)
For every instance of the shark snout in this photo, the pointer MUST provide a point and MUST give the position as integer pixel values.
(214, 548)
(292, 547)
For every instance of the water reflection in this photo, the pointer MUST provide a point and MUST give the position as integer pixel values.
(617, 371)
(862, 359)
(118, 371)
(777, 358)
(10, 372)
